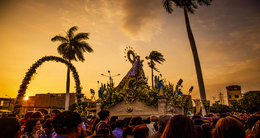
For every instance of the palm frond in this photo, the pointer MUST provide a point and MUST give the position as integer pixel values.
(79, 55)
(59, 38)
(159, 60)
(167, 4)
(190, 9)
(194, 5)
(71, 54)
(62, 48)
(83, 46)
(190, 5)
(156, 69)
(157, 57)
(71, 31)
(81, 36)
(150, 65)
(204, 2)
(87, 47)
(73, 47)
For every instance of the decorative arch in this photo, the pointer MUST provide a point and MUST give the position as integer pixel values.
(32, 70)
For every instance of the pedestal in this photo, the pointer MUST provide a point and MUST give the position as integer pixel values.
(162, 101)
(98, 105)
(179, 110)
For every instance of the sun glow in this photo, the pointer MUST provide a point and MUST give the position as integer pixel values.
(26, 98)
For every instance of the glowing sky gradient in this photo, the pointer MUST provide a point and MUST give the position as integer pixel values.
(227, 36)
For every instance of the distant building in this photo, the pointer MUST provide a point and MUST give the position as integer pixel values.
(48, 103)
(6, 105)
(233, 93)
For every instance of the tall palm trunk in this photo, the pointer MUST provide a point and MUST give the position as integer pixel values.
(152, 77)
(67, 90)
(195, 57)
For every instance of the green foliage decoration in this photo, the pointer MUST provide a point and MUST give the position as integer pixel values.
(141, 91)
(90, 104)
(177, 100)
(168, 89)
(172, 97)
(32, 71)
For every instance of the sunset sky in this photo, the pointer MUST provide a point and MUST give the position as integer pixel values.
(227, 35)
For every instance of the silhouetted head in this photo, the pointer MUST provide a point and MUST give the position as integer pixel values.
(140, 131)
(179, 126)
(256, 130)
(10, 127)
(136, 121)
(103, 114)
(228, 127)
(153, 118)
(162, 122)
(113, 119)
(67, 122)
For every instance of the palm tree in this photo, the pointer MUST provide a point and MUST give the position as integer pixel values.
(154, 56)
(188, 6)
(72, 48)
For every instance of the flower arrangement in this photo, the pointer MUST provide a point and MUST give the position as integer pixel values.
(134, 90)
(134, 86)
(141, 91)
(177, 100)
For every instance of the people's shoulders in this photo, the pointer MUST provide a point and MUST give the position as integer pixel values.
(24, 136)
(53, 134)
(59, 137)
(156, 135)
(118, 132)
(150, 124)
(103, 124)
(130, 136)
(99, 136)
(118, 129)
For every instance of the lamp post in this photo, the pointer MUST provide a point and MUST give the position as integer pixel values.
(10, 99)
(97, 90)
(98, 84)
(110, 79)
(178, 85)
(190, 90)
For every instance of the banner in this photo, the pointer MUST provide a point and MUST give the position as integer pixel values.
(197, 105)
(187, 104)
(206, 105)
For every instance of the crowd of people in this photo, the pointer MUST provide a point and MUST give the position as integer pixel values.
(70, 124)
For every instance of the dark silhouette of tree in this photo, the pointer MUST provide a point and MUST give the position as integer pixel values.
(219, 108)
(189, 6)
(237, 107)
(251, 101)
(154, 56)
(72, 48)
